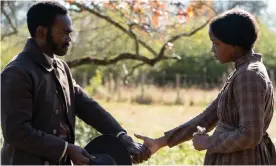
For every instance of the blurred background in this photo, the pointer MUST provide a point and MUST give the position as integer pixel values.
(147, 62)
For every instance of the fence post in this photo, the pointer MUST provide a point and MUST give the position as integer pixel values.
(205, 84)
(143, 78)
(177, 80)
(84, 79)
(163, 78)
(109, 85)
(109, 82)
(118, 87)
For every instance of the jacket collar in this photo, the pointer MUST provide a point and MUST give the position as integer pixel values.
(32, 49)
(249, 57)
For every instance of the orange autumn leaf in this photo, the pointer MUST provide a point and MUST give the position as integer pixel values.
(136, 9)
(157, 13)
(109, 5)
(162, 5)
(154, 20)
(190, 10)
(70, 1)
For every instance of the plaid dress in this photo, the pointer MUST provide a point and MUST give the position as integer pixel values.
(241, 114)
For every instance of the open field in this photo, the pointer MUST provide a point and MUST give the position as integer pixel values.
(153, 120)
(162, 111)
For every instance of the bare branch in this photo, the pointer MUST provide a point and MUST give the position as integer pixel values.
(142, 64)
(122, 56)
(9, 21)
(130, 56)
(13, 12)
(174, 38)
(8, 34)
(116, 24)
(131, 72)
(172, 57)
(136, 39)
(96, 6)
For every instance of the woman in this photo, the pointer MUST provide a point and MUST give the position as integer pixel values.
(243, 109)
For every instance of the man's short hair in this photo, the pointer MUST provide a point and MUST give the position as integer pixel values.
(43, 13)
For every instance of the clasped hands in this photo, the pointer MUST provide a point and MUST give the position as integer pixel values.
(140, 152)
(200, 141)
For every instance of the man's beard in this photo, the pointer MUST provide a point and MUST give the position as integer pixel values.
(50, 42)
(54, 46)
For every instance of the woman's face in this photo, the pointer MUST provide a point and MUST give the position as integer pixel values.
(222, 51)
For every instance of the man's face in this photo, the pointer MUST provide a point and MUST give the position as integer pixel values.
(58, 36)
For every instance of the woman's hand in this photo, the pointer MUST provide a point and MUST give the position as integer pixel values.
(200, 139)
(153, 144)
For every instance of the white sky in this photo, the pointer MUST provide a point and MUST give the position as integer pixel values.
(272, 6)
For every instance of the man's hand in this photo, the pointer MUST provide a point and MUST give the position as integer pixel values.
(138, 152)
(153, 144)
(78, 155)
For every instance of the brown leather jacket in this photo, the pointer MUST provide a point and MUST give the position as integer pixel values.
(29, 122)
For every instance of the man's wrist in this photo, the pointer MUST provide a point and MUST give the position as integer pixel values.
(69, 149)
(64, 151)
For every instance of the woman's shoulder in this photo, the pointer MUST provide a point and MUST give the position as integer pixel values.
(253, 69)
(254, 72)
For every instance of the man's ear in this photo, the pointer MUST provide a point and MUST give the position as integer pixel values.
(41, 32)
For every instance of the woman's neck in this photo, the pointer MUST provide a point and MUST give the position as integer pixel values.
(239, 53)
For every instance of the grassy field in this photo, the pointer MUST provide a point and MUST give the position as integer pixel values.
(153, 120)
(161, 111)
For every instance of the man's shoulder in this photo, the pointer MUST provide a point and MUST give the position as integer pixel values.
(20, 61)
(17, 70)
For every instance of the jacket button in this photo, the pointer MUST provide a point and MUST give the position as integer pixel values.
(47, 163)
(57, 112)
(54, 131)
(56, 91)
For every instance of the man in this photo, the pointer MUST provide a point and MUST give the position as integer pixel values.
(40, 98)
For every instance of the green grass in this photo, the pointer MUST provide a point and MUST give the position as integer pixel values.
(153, 120)
(181, 154)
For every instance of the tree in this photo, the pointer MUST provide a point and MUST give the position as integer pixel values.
(152, 26)
(141, 31)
